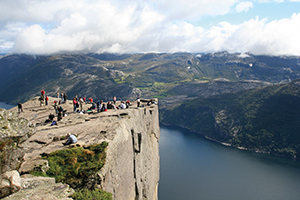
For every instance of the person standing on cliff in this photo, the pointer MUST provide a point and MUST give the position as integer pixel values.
(138, 101)
(20, 108)
(60, 113)
(43, 94)
(65, 97)
(80, 103)
(62, 97)
(98, 106)
(46, 100)
(55, 106)
(115, 100)
(41, 99)
(75, 104)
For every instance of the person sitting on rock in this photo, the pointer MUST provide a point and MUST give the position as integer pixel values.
(50, 118)
(60, 113)
(93, 107)
(122, 106)
(103, 108)
(71, 139)
(109, 105)
(127, 104)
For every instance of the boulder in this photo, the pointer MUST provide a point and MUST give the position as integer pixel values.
(10, 182)
(41, 188)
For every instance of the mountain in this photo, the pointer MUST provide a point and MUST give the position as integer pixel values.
(265, 119)
(247, 101)
(126, 76)
(23, 76)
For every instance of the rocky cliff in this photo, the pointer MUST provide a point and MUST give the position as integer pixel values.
(131, 170)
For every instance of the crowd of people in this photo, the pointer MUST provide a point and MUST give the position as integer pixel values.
(98, 106)
(78, 102)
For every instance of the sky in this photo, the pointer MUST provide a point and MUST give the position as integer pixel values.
(46, 27)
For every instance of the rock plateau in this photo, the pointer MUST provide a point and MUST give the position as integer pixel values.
(131, 170)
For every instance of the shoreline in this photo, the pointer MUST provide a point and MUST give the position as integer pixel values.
(230, 145)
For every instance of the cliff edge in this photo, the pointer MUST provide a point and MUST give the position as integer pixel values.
(131, 170)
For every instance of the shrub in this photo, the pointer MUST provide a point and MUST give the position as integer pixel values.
(76, 166)
(92, 195)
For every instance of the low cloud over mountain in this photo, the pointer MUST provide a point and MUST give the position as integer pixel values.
(51, 27)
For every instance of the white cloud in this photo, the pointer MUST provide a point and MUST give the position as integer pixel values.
(58, 26)
(244, 6)
(191, 9)
(276, 37)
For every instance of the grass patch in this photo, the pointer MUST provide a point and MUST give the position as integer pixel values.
(76, 166)
(91, 195)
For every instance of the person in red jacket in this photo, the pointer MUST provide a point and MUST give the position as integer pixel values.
(47, 98)
(75, 104)
(43, 94)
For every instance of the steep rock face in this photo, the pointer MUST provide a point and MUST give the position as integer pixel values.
(131, 171)
(132, 162)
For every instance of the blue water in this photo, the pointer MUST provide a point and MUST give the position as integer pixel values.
(192, 167)
(6, 106)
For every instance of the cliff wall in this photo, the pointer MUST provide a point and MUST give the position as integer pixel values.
(131, 170)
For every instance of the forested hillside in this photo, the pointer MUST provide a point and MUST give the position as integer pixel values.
(262, 119)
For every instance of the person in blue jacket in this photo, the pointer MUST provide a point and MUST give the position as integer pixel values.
(71, 139)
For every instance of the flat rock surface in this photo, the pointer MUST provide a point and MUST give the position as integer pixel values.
(89, 128)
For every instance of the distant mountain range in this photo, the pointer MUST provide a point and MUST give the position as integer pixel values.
(103, 76)
(248, 101)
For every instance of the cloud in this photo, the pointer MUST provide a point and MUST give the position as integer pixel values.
(81, 26)
(244, 6)
(191, 9)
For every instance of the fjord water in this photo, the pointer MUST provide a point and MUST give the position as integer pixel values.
(6, 106)
(193, 168)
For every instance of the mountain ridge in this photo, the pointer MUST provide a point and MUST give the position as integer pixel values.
(229, 87)
(129, 75)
